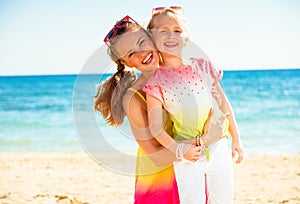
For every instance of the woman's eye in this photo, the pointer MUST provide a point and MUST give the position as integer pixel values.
(131, 54)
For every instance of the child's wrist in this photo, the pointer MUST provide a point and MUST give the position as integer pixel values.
(180, 151)
(200, 140)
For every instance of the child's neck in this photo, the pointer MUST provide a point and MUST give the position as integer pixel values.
(172, 62)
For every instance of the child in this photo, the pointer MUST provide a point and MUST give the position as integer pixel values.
(184, 92)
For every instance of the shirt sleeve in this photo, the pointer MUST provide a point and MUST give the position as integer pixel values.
(152, 87)
(208, 71)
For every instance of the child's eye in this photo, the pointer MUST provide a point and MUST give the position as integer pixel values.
(142, 42)
(178, 31)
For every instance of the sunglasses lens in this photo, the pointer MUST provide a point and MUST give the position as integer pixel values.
(110, 35)
(118, 28)
(121, 23)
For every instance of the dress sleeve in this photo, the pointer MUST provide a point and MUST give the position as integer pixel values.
(152, 87)
(208, 71)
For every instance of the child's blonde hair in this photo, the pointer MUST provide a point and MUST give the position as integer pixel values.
(174, 16)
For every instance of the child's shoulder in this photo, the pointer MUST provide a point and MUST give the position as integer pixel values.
(204, 66)
(161, 71)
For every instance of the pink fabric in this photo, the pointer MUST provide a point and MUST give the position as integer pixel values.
(185, 93)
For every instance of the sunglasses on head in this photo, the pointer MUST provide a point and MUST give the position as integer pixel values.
(117, 27)
(174, 8)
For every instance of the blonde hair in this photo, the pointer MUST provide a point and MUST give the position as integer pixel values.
(173, 15)
(111, 91)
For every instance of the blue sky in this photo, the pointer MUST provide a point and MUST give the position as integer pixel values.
(57, 37)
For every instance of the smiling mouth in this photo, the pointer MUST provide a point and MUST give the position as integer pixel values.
(148, 58)
(170, 45)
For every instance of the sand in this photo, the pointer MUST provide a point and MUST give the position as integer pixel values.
(75, 178)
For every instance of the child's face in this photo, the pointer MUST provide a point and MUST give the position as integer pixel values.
(168, 36)
(137, 50)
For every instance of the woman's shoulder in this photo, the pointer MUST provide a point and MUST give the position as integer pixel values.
(133, 98)
(133, 105)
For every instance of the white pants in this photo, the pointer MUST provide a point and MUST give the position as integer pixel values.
(216, 175)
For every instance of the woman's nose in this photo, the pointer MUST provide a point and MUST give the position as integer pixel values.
(141, 52)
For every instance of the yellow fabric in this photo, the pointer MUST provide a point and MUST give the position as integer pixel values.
(138, 93)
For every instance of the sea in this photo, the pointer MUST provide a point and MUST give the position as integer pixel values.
(55, 113)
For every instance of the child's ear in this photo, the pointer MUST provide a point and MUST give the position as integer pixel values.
(186, 38)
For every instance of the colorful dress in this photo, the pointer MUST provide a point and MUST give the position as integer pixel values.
(154, 184)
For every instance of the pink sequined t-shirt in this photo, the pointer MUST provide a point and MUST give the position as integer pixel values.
(185, 93)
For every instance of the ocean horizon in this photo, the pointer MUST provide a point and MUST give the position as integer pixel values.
(55, 112)
(110, 73)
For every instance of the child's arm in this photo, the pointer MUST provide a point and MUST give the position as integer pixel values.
(156, 125)
(138, 119)
(233, 129)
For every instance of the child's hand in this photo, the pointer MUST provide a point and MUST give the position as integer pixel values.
(192, 153)
(213, 131)
(237, 147)
(216, 95)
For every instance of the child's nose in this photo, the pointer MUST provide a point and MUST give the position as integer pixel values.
(170, 34)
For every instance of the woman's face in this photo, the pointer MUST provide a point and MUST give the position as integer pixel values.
(168, 36)
(137, 50)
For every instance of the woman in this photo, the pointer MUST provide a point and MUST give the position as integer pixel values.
(130, 45)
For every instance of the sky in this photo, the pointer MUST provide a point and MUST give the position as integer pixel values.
(58, 37)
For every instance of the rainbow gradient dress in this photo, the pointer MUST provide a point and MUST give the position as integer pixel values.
(154, 184)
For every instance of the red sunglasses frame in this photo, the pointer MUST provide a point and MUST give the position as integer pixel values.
(120, 24)
(157, 9)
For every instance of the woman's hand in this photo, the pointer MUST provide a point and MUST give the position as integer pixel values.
(215, 93)
(213, 131)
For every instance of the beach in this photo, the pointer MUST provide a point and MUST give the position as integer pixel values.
(46, 128)
(75, 178)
